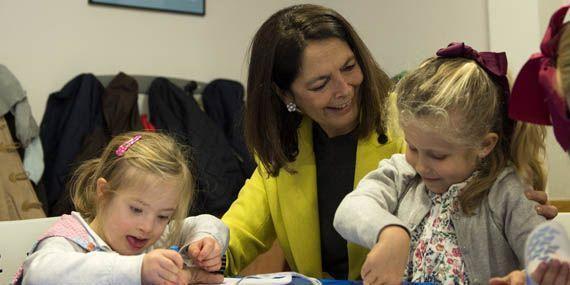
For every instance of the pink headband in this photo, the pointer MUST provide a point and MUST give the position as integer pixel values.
(535, 98)
(125, 146)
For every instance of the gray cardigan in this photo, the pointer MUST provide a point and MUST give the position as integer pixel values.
(492, 240)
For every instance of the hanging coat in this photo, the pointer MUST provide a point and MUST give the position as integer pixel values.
(223, 102)
(17, 197)
(219, 176)
(120, 113)
(71, 114)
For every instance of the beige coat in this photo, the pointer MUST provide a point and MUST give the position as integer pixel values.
(18, 200)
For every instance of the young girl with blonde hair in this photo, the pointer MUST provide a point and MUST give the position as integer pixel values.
(132, 205)
(451, 210)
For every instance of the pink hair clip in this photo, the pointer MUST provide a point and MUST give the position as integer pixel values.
(125, 146)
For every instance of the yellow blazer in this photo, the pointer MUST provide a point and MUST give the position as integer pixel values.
(285, 207)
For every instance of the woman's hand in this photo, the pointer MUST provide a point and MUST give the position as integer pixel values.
(386, 262)
(207, 254)
(546, 273)
(552, 272)
(545, 210)
(196, 275)
(516, 277)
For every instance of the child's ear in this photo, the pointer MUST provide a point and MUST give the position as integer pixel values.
(488, 144)
(101, 187)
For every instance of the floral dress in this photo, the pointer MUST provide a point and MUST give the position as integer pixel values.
(434, 253)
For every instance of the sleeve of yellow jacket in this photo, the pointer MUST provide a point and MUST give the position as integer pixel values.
(249, 218)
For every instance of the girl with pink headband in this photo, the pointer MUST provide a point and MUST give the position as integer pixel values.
(132, 204)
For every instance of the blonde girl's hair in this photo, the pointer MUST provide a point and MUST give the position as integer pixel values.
(441, 86)
(153, 154)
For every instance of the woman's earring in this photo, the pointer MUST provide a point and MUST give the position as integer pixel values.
(291, 107)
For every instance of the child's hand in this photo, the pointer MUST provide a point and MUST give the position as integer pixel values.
(207, 254)
(198, 276)
(386, 262)
(161, 266)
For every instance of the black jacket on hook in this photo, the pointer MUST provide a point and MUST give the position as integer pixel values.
(223, 102)
(120, 112)
(71, 114)
(218, 171)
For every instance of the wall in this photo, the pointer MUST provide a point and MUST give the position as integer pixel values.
(47, 43)
(402, 33)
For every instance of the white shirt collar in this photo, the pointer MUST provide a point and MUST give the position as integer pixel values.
(99, 242)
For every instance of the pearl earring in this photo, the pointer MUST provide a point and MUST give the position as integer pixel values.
(291, 107)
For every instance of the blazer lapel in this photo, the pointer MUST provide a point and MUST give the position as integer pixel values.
(298, 202)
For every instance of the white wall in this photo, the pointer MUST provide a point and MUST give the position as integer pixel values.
(47, 43)
(402, 33)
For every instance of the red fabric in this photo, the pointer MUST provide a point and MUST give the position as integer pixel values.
(495, 65)
(535, 98)
(146, 123)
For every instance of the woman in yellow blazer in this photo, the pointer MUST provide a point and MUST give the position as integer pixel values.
(316, 120)
(324, 81)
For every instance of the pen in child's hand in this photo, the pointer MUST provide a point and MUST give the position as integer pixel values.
(187, 261)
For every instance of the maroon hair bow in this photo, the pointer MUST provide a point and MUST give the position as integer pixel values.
(494, 63)
(535, 97)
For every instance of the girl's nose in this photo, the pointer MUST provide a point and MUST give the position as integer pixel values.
(146, 224)
(421, 167)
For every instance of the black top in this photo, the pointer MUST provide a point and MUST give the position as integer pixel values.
(335, 161)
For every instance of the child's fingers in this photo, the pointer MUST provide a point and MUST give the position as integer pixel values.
(212, 260)
(215, 263)
(167, 275)
(194, 249)
(207, 249)
(183, 277)
(170, 266)
(215, 267)
(175, 258)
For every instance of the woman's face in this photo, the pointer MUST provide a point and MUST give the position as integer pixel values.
(326, 87)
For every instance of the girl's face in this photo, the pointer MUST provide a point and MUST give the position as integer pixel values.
(326, 88)
(134, 218)
(439, 162)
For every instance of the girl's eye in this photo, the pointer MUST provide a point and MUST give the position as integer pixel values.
(411, 148)
(164, 217)
(136, 210)
(438, 157)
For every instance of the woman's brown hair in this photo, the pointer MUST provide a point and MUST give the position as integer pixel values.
(275, 59)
